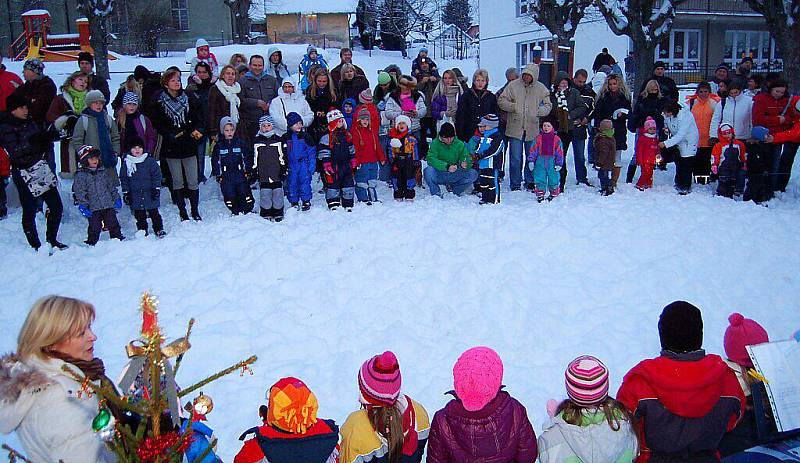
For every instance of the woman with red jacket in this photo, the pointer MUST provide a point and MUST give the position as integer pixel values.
(684, 400)
(773, 110)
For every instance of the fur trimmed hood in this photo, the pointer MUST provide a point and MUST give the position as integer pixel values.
(19, 384)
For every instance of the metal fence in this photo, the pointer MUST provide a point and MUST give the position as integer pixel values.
(713, 6)
(699, 74)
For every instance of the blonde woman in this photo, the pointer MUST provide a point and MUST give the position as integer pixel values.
(614, 103)
(41, 402)
(650, 103)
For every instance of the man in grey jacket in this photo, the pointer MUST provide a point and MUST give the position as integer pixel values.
(258, 89)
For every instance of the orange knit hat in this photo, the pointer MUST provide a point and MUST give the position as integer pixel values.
(292, 406)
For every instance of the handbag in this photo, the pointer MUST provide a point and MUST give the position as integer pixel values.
(39, 178)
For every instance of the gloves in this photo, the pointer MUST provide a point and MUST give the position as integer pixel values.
(85, 210)
(353, 164)
(557, 168)
(197, 79)
(155, 194)
(126, 198)
(328, 168)
(531, 165)
(118, 204)
(713, 140)
(714, 170)
(219, 178)
(396, 143)
(658, 159)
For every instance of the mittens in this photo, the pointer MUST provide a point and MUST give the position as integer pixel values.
(531, 165)
(354, 163)
(85, 210)
(118, 204)
(328, 168)
(396, 143)
(557, 168)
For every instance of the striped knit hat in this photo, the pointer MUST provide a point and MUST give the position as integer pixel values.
(587, 381)
(490, 120)
(379, 380)
(130, 98)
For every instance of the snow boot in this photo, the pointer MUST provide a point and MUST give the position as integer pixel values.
(194, 201)
(631, 173)
(177, 198)
(306, 206)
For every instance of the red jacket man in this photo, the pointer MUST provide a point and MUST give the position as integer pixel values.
(684, 400)
(8, 83)
(793, 134)
(772, 109)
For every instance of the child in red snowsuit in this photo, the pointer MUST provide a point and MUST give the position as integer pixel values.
(647, 153)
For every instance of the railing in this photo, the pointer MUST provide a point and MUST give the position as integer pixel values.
(699, 74)
(713, 6)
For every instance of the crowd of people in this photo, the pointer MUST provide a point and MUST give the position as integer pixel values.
(270, 129)
(683, 405)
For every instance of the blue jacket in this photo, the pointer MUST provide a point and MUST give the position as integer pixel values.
(305, 65)
(301, 149)
(140, 184)
(232, 160)
(200, 435)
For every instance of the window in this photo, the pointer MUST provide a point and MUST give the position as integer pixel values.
(308, 24)
(527, 51)
(180, 14)
(523, 7)
(756, 44)
(681, 50)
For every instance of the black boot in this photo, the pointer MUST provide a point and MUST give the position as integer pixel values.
(194, 201)
(177, 197)
(631, 173)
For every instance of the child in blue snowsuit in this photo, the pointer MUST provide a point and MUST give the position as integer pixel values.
(338, 155)
(230, 164)
(486, 148)
(302, 155)
(348, 111)
(311, 58)
(546, 159)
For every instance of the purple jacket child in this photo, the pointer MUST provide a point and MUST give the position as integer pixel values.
(483, 423)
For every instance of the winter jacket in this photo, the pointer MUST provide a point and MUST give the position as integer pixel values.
(305, 66)
(649, 106)
(317, 445)
(735, 111)
(444, 101)
(8, 83)
(301, 150)
(525, 104)
(668, 87)
(557, 153)
(231, 159)
(284, 104)
(336, 73)
(602, 59)
(40, 92)
(201, 94)
(141, 184)
(199, 442)
(574, 110)
(361, 444)
(374, 116)
(472, 106)
(409, 147)
(48, 412)
(684, 404)
(486, 148)
(646, 149)
(605, 107)
(86, 133)
(441, 156)
(605, 151)
(63, 116)
(719, 149)
(144, 130)
(426, 88)
(24, 141)
(264, 88)
(703, 111)
(177, 141)
(94, 189)
(792, 135)
(322, 102)
(270, 158)
(367, 144)
(351, 88)
(500, 432)
(338, 152)
(683, 133)
(279, 71)
(393, 108)
(594, 441)
(5, 164)
(211, 61)
(379, 94)
(588, 97)
(416, 67)
(219, 107)
(767, 111)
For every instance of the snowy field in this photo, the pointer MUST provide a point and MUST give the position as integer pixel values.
(316, 295)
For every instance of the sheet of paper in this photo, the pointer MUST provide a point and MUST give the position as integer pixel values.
(779, 363)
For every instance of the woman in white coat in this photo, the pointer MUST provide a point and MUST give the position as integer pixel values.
(39, 401)
(289, 100)
(682, 133)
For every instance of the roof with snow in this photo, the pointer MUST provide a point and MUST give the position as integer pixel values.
(304, 7)
(36, 13)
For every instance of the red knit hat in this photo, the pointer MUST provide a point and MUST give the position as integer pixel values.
(379, 380)
(742, 332)
(477, 377)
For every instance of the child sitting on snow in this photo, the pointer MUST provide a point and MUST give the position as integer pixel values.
(369, 153)
(141, 185)
(546, 159)
(338, 157)
(647, 153)
(230, 164)
(404, 159)
(589, 425)
(270, 165)
(96, 195)
(291, 431)
(302, 155)
(605, 151)
(486, 148)
(728, 158)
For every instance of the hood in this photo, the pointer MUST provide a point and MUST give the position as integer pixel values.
(272, 50)
(533, 71)
(687, 388)
(297, 93)
(352, 102)
(19, 384)
(713, 97)
(480, 432)
(597, 441)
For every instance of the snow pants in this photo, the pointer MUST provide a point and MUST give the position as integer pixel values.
(341, 187)
(404, 178)
(545, 176)
(237, 195)
(96, 222)
(299, 183)
(271, 200)
(646, 179)
(367, 181)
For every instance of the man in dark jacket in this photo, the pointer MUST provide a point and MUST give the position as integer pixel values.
(86, 65)
(684, 400)
(582, 130)
(668, 87)
(39, 91)
(346, 56)
(258, 89)
(603, 58)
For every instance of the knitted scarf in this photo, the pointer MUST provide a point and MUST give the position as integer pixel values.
(104, 135)
(176, 108)
(548, 143)
(407, 102)
(131, 162)
(93, 369)
(562, 110)
(78, 99)
(231, 94)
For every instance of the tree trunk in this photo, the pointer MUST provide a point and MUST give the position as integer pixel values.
(645, 54)
(787, 43)
(99, 42)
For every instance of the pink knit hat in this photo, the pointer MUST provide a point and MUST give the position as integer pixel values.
(379, 380)
(477, 377)
(649, 123)
(587, 381)
(742, 332)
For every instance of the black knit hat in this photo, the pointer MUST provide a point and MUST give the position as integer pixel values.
(447, 130)
(133, 140)
(86, 56)
(659, 64)
(16, 100)
(680, 327)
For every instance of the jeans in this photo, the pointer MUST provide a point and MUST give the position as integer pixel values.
(590, 147)
(367, 181)
(566, 140)
(202, 144)
(517, 164)
(459, 181)
(579, 159)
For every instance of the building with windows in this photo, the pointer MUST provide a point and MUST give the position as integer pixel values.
(325, 24)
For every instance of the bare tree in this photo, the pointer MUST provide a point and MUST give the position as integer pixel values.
(97, 12)
(560, 17)
(240, 9)
(399, 18)
(149, 25)
(783, 18)
(646, 22)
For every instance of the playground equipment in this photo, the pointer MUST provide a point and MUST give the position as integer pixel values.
(36, 41)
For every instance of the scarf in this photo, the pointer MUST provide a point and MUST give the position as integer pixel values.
(548, 143)
(176, 108)
(231, 94)
(265, 134)
(78, 99)
(93, 369)
(106, 149)
(407, 102)
(562, 110)
(131, 162)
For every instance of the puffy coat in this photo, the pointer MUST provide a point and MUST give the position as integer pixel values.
(374, 116)
(317, 445)
(231, 159)
(264, 88)
(284, 104)
(24, 141)
(649, 106)
(594, 442)
(393, 108)
(684, 404)
(94, 189)
(279, 71)
(86, 133)
(646, 149)
(305, 67)
(605, 107)
(683, 133)
(498, 433)
(39, 92)
(735, 111)
(605, 149)
(270, 158)
(43, 406)
(767, 111)
(703, 111)
(219, 107)
(525, 104)
(8, 83)
(442, 156)
(472, 106)
(301, 150)
(177, 141)
(367, 144)
(557, 153)
(140, 184)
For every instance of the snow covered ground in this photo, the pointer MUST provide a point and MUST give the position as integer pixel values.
(316, 295)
